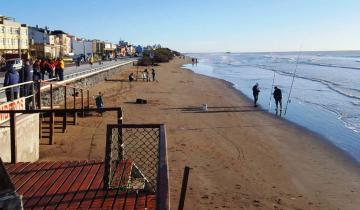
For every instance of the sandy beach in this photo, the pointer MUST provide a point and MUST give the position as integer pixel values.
(241, 157)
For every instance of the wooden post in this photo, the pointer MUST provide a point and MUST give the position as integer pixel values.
(75, 114)
(33, 96)
(88, 99)
(82, 103)
(65, 107)
(183, 187)
(13, 137)
(38, 95)
(51, 116)
(120, 134)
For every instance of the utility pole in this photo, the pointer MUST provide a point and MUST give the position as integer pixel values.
(19, 42)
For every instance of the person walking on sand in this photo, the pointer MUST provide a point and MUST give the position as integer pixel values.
(131, 77)
(256, 91)
(153, 74)
(99, 103)
(278, 97)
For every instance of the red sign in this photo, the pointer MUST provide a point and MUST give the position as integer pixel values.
(18, 104)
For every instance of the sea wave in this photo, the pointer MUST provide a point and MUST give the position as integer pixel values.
(329, 65)
(348, 92)
(343, 117)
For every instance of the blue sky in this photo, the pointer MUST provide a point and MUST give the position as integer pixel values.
(202, 25)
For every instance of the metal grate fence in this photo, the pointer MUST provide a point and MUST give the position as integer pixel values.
(141, 144)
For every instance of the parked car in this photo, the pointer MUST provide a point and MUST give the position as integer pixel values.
(17, 63)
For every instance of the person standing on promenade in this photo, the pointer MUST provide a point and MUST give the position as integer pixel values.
(36, 72)
(61, 69)
(278, 97)
(42, 69)
(57, 67)
(26, 75)
(11, 78)
(153, 74)
(48, 68)
(91, 61)
(256, 91)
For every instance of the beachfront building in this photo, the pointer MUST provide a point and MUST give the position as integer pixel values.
(13, 38)
(122, 51)
(98, 47)
(109, 49)
(41, 43)
(82, 47)
(130, 50)
(62, 39)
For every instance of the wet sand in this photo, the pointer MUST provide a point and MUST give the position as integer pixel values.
(241, 157)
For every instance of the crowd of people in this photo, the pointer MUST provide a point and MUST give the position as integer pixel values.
(31, 71)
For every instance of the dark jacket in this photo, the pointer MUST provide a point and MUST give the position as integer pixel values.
(255, 90)
(36, 75)
(277, 94)
(12, 78)
(26, 73)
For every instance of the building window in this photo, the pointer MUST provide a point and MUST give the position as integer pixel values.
(2, 29)
(1, 42)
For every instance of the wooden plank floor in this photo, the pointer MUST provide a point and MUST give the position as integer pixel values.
(74, 185)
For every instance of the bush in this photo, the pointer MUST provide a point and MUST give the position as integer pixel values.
(161, 55)
(145, 61)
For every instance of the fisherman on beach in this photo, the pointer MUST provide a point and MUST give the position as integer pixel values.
(256, 91)
(278, 97)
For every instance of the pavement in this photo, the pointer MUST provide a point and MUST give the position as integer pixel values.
(71, 70)
(84, 67)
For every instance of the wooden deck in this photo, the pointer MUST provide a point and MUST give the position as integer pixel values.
(74, 185)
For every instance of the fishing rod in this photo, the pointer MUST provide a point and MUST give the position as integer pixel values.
(271, 89)
(292, 83)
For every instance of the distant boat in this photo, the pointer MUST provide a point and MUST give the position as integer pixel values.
(228, 52)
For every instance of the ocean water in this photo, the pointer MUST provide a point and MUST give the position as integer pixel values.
(325, 97)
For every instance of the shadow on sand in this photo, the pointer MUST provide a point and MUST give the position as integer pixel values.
(213, 109)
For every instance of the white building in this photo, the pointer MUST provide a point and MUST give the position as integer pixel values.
(13, 36)
(81, 46)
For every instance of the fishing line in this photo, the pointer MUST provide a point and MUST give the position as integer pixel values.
(271, 89)
(292, 82)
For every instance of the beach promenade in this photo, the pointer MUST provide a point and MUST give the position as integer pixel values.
(241, 157)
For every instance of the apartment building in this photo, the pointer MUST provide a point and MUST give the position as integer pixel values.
(62, 39)
(13, 38)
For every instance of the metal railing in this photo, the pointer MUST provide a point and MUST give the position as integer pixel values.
(91, 70)
(145, 146)
(50, 112)
(27, 89)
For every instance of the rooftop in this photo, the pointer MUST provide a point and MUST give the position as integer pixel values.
(76, 184)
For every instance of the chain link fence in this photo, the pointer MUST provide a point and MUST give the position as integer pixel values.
(139, 144)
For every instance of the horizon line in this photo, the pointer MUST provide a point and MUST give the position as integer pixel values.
(286, 51)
